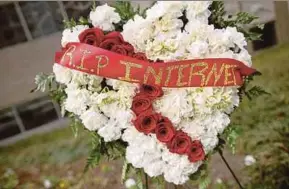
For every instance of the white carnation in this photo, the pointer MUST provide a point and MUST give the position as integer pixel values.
(62, 74)
(111, 131)
(176, 99)
(198, 10)
(235, 36)
(79, 78)
(137, 32)
(198, 49)
(104, 17)
(71, 34)
(77, 100)
(92, 119)
(154, 168)
(174, 9)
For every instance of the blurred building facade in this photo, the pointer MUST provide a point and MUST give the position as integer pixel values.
(30, 33)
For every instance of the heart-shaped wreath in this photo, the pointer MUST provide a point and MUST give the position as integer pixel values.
(165, 116)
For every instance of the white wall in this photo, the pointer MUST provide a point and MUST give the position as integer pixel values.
(20, 63)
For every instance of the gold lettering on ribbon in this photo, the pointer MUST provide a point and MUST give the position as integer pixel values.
(228, 74)
(181, 75)
(217, 75)
(128, 66)
(157, 76)
(69, 54)
(84, 53)
(102, 61)
(198, 73)
(170, 69)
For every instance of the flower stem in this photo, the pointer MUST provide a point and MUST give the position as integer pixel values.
(146, 181)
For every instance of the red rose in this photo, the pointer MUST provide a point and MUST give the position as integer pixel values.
(129, 48)
(119, 49)
(180, 143)
(146, 122)
(111, 39)
(141, 103)
(151, 91)
(92, 36)
(140, 56)
(115, 35)
(165, 130)
(123, 49)
(196, 151)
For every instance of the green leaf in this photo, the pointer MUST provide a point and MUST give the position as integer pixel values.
(83, 21)
(139, 182)
(239, 20)
(93, 6)
(255, 91)
(75, 123)
(69, 24)
(204, 183)
(43, 81)
(95, 154)
(125, 170)
(231, 135)
(126, 10)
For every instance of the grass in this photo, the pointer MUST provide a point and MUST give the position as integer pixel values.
(60, 157)
(259, 116)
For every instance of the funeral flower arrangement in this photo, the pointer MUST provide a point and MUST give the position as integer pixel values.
(164, 131)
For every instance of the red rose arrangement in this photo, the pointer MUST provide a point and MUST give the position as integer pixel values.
(148, 121)
(112, 41)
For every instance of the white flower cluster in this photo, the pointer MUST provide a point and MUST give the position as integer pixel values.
(104, 17)
(200, 112)
(107, 112)
(71, 35)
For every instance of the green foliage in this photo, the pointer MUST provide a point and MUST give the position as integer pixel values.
(126, 12)
(201, 178)
(47, 83)
(83, 21)
(69, 24)
(139, 180)
(43, 81)
(75, 124)
(95, 153)
(101, 149)
(231, 134)
(125, 171)
(240, 20)
(255, 92)
(9, 179)
(204, 182)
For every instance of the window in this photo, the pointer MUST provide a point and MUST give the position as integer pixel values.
(76, 9)
(11, 30)
(8, 124)
(42, 17)
(268, 36)
(26, 116)
(27, 20)
(37, 112)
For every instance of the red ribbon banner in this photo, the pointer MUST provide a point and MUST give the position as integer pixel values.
(186, 73)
